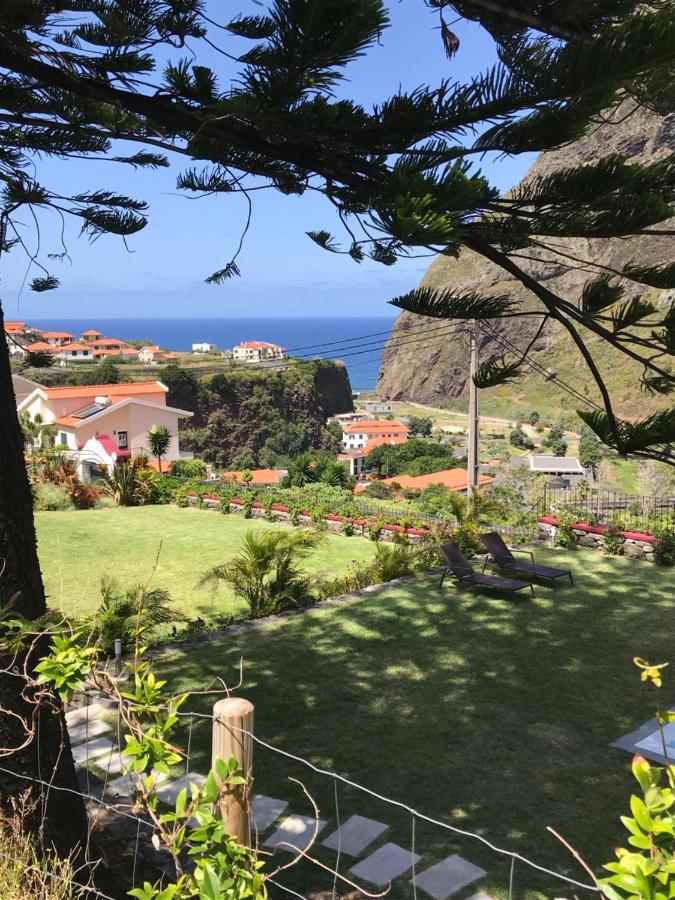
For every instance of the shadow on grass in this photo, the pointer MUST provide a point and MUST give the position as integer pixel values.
(493, 716)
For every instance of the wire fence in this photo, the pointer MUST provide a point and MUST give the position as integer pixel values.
(601, 507)
(423, 838)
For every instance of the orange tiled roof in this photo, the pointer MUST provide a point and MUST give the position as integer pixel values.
(258, 345)
(133, 389)
(75, 346)
(379, 441)
(109, 341)
(259, 476)
(15, 327)
(67, 420)
(92, 331)
(57, 334)
(376, 427)
(41, 347)
(455, 479)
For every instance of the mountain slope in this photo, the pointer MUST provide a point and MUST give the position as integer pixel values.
(436, 368)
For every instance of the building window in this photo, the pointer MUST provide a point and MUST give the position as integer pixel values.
(63, 438)
(122, 440)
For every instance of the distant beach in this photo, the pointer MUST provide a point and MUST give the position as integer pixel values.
(358, 341)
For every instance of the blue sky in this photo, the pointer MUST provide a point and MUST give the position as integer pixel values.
(283, 272)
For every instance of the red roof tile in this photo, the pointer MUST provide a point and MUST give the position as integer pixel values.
(133, 389)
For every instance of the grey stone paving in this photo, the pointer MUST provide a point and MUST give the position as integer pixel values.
(385, 864)
(92, 750)
(448, 876)
(266, 810)
(354, 835)
(169, 792)
(87, 730)
(296, 830)
(112, 762)
(88, 713)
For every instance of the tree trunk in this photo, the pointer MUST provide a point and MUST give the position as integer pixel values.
(47, 756)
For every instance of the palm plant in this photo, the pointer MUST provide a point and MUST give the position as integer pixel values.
(125, 613)
(37, 434)
(265, 573)
(159, 438)
(126, 485)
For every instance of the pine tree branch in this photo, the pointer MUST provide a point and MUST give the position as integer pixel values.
(527, 20)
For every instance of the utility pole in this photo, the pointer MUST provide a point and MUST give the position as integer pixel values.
(472, 449)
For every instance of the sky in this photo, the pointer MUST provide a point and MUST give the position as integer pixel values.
(283, 273)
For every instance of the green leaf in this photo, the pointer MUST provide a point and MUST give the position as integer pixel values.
(45, 283)
(231, 270)
(639, 810)
(445, 303)
(324, 239)
(599, 294)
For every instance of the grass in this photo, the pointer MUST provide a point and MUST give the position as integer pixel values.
(78, 548)
(492, 716)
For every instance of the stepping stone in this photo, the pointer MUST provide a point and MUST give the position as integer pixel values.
(480, 895)
(91, 750)
(87, 730)
(112, 762)
(295, 830)
(169, 792)
(385, 864)
(354, 835)
(265, 811)
(448, 876)
(89, 713)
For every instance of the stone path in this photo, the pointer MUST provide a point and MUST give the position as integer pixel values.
(92, 742)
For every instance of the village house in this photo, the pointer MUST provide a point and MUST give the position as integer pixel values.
(92, 334)
(58, 338)
(153, 354)
(204, 347)
(362, 434)
(257, 351)
(456, 479)
(106, 343)
(74, 352)
(101, 424)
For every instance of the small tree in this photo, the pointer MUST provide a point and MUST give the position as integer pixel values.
(534, 417)
(159, 438)
(420, 425)
(106, 372)
(590, 454)
(518, 438)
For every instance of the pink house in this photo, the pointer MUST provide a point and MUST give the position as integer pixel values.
(103, 423)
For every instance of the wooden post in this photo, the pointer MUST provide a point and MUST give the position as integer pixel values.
(232, 717)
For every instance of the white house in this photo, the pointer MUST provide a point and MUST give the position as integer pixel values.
(103, 423)
(204, 348)
(371, 432)
(58, 338)
(378, 407)
(257, 351)
(68, 353)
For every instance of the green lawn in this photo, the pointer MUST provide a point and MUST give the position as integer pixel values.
(492, 716)
(78, 548)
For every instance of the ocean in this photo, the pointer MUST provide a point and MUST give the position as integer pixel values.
(357, 341)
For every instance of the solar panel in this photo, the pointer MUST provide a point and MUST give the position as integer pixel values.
(88, 411)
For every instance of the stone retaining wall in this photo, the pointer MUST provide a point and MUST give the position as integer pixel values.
(635, 544)
(333, 523)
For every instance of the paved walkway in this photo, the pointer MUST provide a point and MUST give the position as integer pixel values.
(373, 859)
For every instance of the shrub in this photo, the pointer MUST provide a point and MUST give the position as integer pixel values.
(127, 486)
(52, 497)
(188, 468)
(379, 490)
(348, 529)
(467, 538)
(121, 611)
(265, 573)
(564, 536)
(664, 547)
(392, 562)
(612, 540)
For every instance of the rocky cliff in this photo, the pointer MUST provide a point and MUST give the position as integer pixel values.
(250, 416)
(434, 367)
